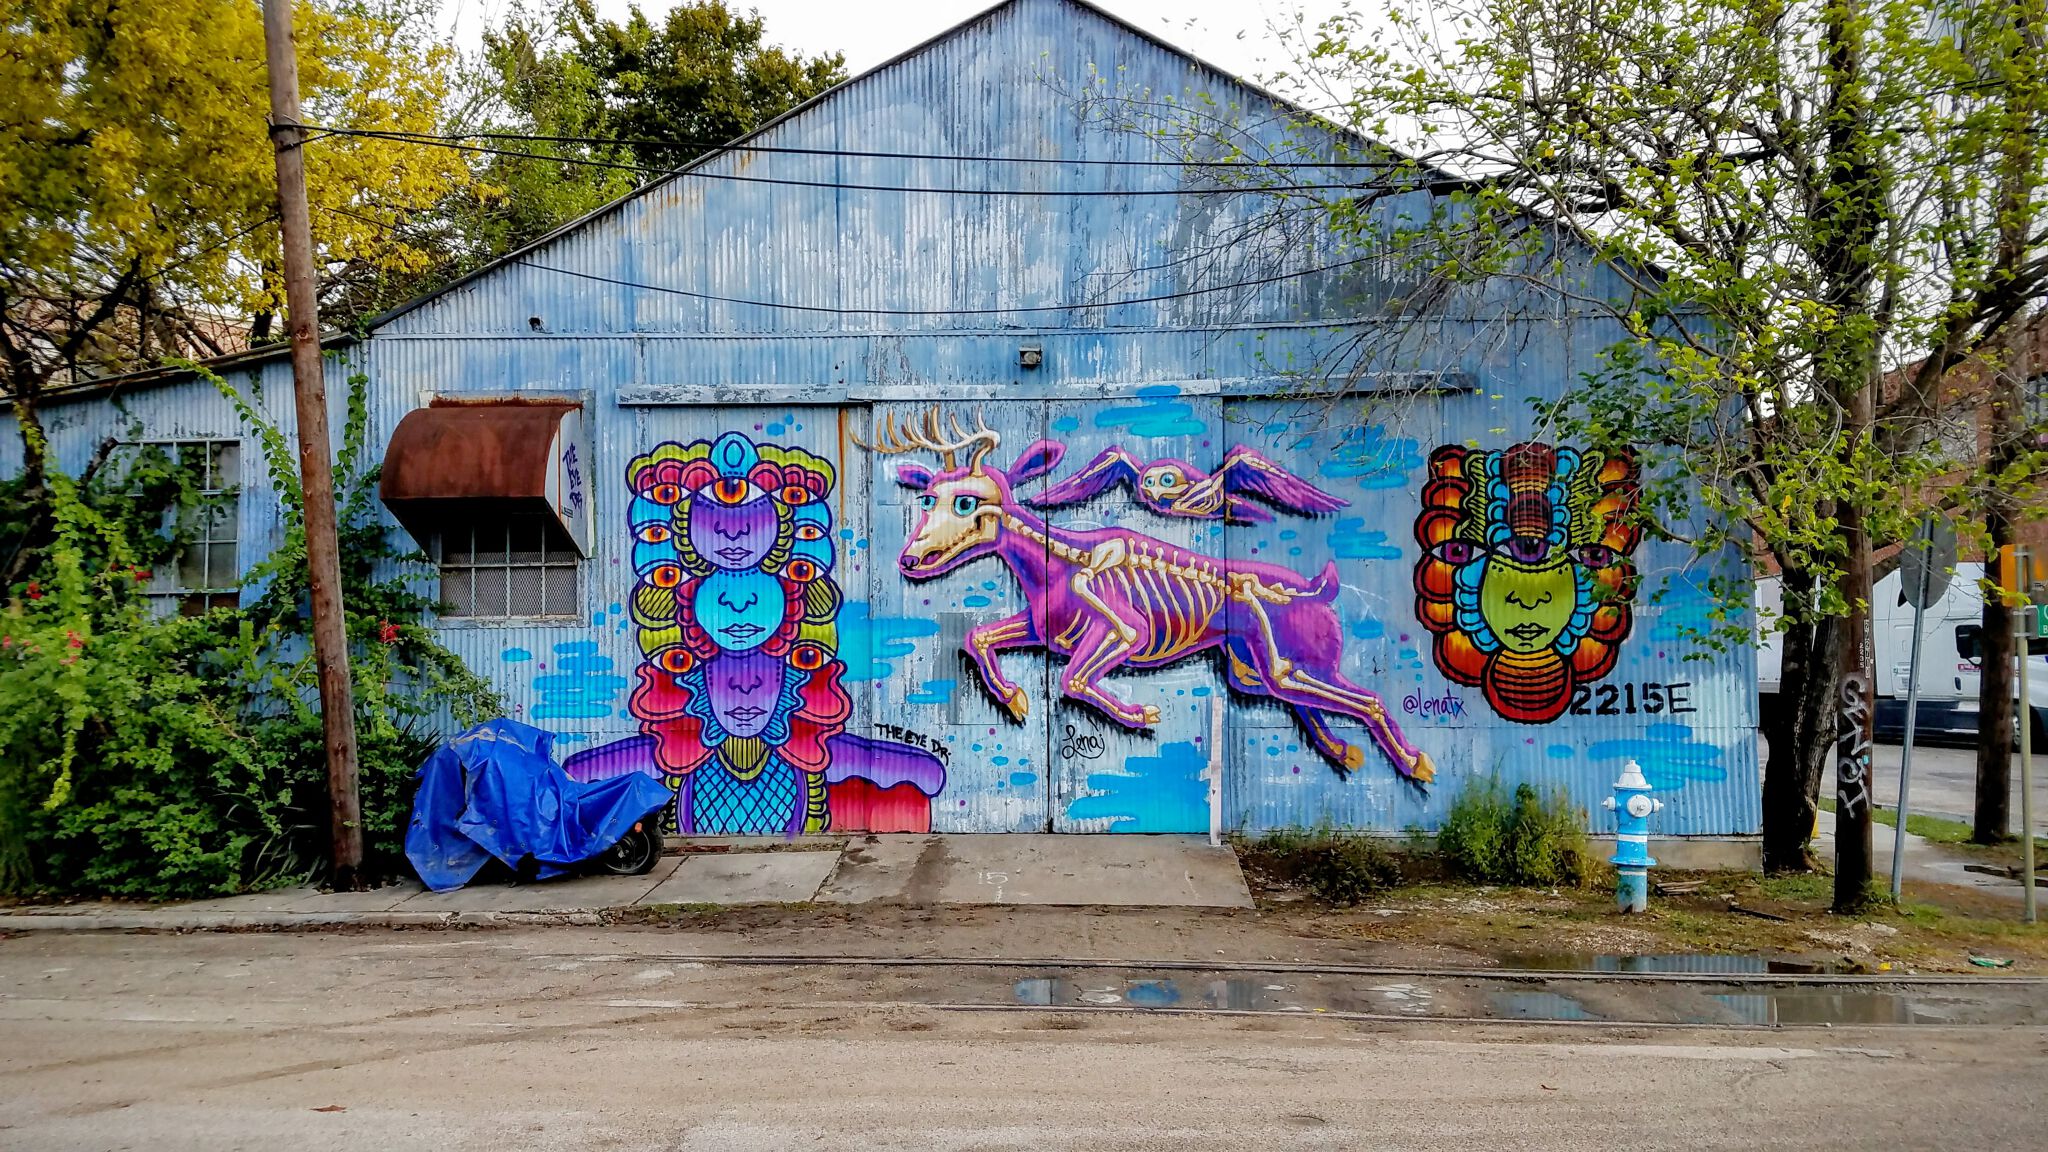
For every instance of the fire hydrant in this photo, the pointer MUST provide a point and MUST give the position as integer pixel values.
(1632, 805)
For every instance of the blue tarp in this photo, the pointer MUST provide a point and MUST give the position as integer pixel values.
(495, 790)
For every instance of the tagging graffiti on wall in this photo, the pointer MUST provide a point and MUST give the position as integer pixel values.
(1111, 599)
(740, 701)
(1525, 576)
(1852, 749)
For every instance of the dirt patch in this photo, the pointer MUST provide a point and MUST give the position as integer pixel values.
(1937, 928)
(1423, 925)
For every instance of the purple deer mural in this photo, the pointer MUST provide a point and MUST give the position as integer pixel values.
(1112, 598)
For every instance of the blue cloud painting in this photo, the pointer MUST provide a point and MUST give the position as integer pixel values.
(1370, 458)
(1159, 414)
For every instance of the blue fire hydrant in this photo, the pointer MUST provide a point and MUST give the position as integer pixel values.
(1632, 805)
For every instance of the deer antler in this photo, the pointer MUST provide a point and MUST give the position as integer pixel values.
(933, 437)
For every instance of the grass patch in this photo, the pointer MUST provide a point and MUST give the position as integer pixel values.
(1799, 887)
(1334, 868)
(1937, 830)
(1534, 839)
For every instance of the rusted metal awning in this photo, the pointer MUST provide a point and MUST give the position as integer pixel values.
(451, 463)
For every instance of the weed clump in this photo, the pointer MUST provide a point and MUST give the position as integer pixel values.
(1334, 868)
(1533, 838)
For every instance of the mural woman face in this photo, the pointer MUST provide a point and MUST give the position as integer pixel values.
(740, 610)
(1528, 606)
(732, 523)
(1525, 576)
(744, 688)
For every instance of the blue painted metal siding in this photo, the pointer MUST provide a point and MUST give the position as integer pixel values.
(1177, 378)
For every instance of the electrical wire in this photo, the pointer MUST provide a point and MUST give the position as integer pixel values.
(776, 150)
(1436, 186)
(713, 298)
(929, 312)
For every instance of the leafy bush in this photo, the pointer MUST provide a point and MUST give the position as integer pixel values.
(152, 755)
(1534, 838)
(1334, 868)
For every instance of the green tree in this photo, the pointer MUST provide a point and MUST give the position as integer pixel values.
(650, 96)
(137, 183)
(1815, 211)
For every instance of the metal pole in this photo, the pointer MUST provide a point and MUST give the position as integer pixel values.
(1922, 541)
(2023, 565)
(316, 468)
(1216, 706)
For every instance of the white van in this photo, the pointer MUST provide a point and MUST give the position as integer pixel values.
(1949, 671)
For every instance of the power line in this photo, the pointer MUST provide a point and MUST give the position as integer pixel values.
(777, 150)
(1435, 186)
(713, 298)
(1022, 309)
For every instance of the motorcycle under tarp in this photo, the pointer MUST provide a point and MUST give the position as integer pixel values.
(496, 791)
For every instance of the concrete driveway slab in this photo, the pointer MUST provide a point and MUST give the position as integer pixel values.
(569, 894)
(376, 900)
(276, 900)
(1129, 870)
(745, 878)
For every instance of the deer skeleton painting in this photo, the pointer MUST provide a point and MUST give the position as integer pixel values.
(1112, 598)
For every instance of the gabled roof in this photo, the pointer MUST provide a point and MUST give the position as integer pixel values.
(739, 144)
(260, 356)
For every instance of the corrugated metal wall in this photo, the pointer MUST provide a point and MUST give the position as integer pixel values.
(1181, 378)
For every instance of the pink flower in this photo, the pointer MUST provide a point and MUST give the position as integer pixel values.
(71, 638)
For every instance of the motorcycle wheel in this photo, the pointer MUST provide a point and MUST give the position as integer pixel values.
(636, 852)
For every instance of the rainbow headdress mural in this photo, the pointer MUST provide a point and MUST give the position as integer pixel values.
(735, 605)
(1525, 575)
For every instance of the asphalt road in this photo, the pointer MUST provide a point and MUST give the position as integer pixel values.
(575, 1039)
(1945, 782)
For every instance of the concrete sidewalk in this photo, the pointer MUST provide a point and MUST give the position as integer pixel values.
(1140, 871)
(1926, 862)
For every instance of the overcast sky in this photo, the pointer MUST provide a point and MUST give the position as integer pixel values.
(1232, 34)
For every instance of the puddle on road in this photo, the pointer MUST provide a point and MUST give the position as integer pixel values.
(1705, 1003)
(1539, 1006)
(1707, 965)
(1228, 994)
(1817, 1006)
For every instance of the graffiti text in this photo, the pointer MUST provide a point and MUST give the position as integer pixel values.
(1852, 749)
(1079, 745)
(1648, 698)
(1448, 704)
(915, 740)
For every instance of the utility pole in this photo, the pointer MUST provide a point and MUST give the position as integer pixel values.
(2027, 618)
(316, 467)
(1855, 703)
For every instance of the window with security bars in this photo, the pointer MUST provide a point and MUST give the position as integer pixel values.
(507, 567)
(207, 567)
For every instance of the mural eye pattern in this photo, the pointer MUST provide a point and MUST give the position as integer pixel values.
(740, 702)
(1525, 578)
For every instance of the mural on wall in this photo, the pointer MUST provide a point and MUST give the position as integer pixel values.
(740, 701)
(1177, 488)
(1111, 599)
(1526, 573)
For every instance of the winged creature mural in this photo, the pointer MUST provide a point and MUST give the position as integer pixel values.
(1177, 488)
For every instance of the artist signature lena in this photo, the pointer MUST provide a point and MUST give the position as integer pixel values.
(1079, 745)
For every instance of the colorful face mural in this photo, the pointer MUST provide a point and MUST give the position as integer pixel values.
(1525, 577)
(740, 703)
(1112, 599)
